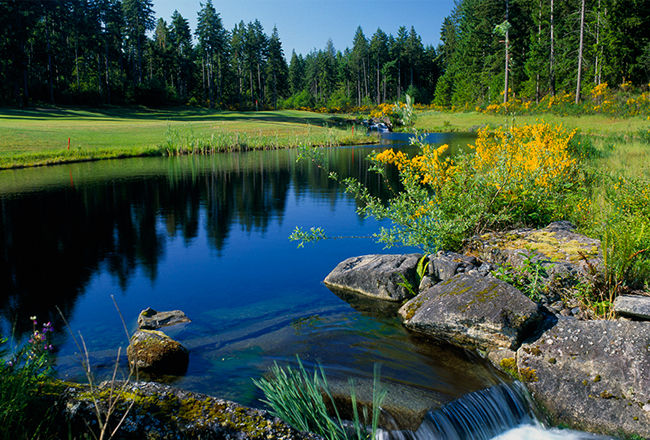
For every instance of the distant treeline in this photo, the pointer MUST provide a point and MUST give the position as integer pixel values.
(95, 52)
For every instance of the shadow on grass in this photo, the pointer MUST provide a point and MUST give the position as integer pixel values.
(178, 114)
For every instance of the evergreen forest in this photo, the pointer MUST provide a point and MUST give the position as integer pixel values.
(114, 52)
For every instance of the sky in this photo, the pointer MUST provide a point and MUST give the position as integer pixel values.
(306, 25)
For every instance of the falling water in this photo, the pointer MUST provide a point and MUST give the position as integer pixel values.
(502, 412)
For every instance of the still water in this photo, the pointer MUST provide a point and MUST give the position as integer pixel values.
(208, 235)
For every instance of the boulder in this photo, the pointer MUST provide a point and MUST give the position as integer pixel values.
(445, 265)
(562, 251)
(634, 306)
(156, 411)
(377, 276)
(473, 311)
(592, 375)
(155, 352)
(150, 319)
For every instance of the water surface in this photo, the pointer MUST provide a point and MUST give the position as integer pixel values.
(208, 235)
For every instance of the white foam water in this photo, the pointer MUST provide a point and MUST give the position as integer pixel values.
(539, 432)
(502, 412)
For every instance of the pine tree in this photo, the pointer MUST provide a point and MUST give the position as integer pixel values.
(213, 40)
(277, 70)
(139, 18)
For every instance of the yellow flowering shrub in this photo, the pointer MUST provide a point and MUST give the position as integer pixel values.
(514, 176)
(428, 168)
(538, 152)
(522, 176)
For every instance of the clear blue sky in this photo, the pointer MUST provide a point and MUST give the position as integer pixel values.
(305, 25)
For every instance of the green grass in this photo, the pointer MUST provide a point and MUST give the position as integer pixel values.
(40, 136)
(599, 125)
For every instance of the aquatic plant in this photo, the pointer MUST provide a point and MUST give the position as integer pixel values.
(301, 399)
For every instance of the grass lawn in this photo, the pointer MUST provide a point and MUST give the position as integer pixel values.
(39, 136)
(39, 130)
(599, 125)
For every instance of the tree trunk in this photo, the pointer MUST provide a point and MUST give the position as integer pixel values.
(507, 73)
(250, 80)
(108, 78)
(378, 84)
(597, 61)
(139, 60)
(539, 42)
(211, 84)
(552, 55)
(76, 63)
(259, 83)
(49, 60)
(580, 49)
(99, 74)
(365, 79)
(399, 80)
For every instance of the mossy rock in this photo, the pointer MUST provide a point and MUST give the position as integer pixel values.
(558, 247)
(155, 352)
(473, 311)
(155, 411)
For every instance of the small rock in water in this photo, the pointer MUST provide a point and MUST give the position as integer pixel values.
(150, 319)
(155, 351)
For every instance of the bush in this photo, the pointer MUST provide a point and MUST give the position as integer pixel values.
(517, 177)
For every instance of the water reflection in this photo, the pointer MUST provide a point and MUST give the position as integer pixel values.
(54, 239)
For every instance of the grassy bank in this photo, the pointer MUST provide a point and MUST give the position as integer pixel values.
(40, 136)
(598, 125)
(613, 145)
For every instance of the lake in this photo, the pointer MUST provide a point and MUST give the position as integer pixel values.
(209, 235)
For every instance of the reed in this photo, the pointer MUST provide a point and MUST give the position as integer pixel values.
(187, 141)
(299, 399)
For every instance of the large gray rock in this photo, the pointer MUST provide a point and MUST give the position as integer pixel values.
(561, 250)
(445, 265)
(156, 411)
(473, 311)
(155, 352)
(633, 306)
(150, 319)
(592, 375)
(377, 276)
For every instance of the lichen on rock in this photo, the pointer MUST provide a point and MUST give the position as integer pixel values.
(154, 351)
(153, 410)
(473, 311)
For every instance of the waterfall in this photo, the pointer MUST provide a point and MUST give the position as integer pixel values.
(502, 412)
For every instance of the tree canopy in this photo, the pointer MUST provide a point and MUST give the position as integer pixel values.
(98, 52)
